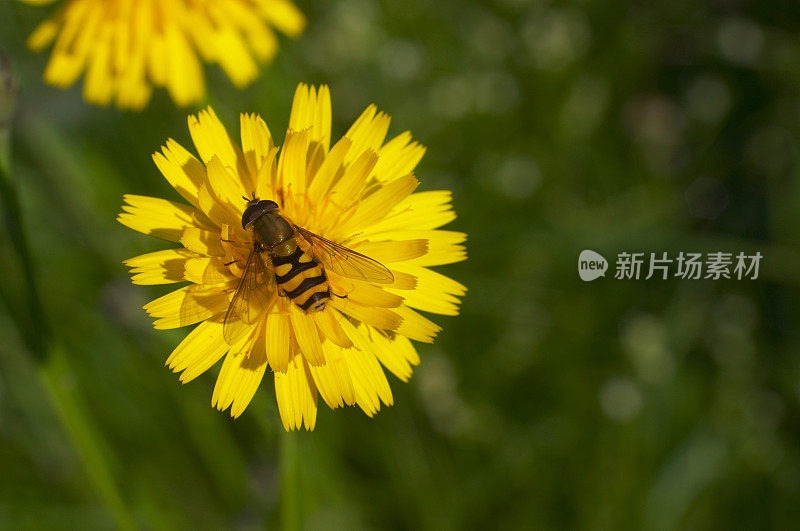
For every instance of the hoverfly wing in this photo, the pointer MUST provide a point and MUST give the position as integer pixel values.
(344, 261)
(250, 299)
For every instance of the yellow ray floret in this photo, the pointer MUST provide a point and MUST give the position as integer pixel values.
(359, 192)
(124, 48)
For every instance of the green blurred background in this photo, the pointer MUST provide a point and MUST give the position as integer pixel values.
(549, 403)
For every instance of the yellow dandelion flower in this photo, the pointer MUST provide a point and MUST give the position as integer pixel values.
(314, 261)
(126, 47)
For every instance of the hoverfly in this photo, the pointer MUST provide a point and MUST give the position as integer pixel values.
(291, 272)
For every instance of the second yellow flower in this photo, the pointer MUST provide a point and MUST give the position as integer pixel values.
(127, 47)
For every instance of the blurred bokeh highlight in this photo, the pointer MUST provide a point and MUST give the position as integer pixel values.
(550, 402)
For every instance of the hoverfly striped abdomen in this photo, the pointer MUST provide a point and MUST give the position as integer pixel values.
(302, 279)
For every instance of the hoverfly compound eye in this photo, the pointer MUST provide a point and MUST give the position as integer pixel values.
(268, 205)
(255, 209)
(249, 216)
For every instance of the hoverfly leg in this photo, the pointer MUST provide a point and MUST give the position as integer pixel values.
(236, 243)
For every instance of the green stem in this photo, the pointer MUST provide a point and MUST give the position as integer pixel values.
(30, 321)
(290, 488)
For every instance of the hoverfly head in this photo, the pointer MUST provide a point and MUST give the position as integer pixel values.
(255, 209)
